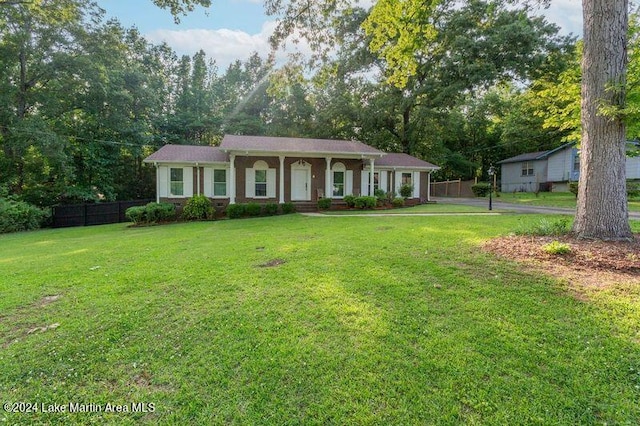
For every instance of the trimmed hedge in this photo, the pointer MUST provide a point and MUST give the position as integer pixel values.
(350, 200)
(235, 211)
(406, 190)
(151, 213)
(288, 208)
(398, 202)
(324, 203)
(365, 202)
(198, 207)
(481, 189)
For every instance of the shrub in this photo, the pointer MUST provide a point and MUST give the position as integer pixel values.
(633, 189)
(481, 189)
(350, 200)
(556, 248)
(271, 209)
(20, 216)
(288, 208)
(365, 202)
(546, 227)
(406, 190)
(573, 188)
(381, 196)
(135, 214)
(398, 202)
(235, 211)
(324, 203)
(159, 212)
(198, 207)
(253, 209)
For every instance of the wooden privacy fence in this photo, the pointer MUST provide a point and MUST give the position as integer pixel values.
(93, 214)
(453, 188)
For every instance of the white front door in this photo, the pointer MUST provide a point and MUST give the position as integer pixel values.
(300, 185)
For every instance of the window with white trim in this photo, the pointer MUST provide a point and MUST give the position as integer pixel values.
(176, 181)
(527, 168)
(339, 178)
(261, 183)
(576, 162)
(406, 178)
(219, 183)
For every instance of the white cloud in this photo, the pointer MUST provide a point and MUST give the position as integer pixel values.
(567, 14)
(225, 45)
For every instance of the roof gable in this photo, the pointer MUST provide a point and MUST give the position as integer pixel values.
(404, 161)
(534, 156)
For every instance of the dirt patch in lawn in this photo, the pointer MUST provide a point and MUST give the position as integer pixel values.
(272, 263)
(588, 265)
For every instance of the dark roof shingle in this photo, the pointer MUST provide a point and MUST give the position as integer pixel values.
(404, 160)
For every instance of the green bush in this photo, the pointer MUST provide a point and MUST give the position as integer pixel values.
(406, 190)
(324, 203)
(253, 209)
(381, 196)
(197, 208)
(18, 216)
(573, 188)
(481, 189)
(271, 209)
(135, 214)
(288, 208)
(235, 211)
(556, 248)
(398, 202)
(365, 202)
(350, 200)
(633, 189)
(159, 212)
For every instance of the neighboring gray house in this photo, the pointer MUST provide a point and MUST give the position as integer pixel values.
(549, 170)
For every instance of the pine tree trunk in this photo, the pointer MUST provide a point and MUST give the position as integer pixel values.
(602, 211)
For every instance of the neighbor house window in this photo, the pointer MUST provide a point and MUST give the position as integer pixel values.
(576, 162)
(219, 183)
(406, 178)
(261, 183)
(177, 181)
(527, 169)
(338, 184)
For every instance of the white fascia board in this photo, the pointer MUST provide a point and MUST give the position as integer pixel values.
(416, 169)
(190, 164)
(306, 154)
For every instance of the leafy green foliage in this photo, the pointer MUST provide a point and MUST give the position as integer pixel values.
(365, 202)
(136, 214)
(380, 195)
(160, 212)
(270, 209)
(481, 189)
(288, 208)
(556, 248)
(18, 216)
(633, 189)
(235, 211)
(573, 188)
(198, 207)
(324, 203)
(350, 201)
(406, 190)
(398, 202)
(253, 209)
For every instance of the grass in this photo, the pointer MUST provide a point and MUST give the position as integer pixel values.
(551, 199)
(360, 321)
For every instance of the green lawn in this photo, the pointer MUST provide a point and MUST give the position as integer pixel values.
(551, 199)
(402, 321)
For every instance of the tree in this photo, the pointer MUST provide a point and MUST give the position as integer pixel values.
(602, 211)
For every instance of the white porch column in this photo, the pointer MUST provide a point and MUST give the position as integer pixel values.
(371, 180)
(281, 179)
(328, 192)
(232, 177)
(428, 186)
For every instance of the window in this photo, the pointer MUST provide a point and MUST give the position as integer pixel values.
(177, 182)
(406, 178)
(219, 183)
(576, 162)
(261, 183)
(527, 169)
(338, 184)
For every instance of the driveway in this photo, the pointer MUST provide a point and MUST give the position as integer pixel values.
(520, 208)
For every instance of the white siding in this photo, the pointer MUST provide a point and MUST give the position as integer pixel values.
(250, 183)
(559, 165)
(415, 181)
(383, 180)
(364, 183)
(208, 182)
(633, 167)
(512, 179)
(271, 183)
(187, 177)
(398, 180)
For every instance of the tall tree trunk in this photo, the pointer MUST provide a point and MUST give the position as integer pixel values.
(602, 211)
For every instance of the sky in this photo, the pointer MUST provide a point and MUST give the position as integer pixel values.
(233, 29)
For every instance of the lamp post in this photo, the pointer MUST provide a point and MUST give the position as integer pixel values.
(491, 172)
